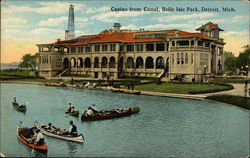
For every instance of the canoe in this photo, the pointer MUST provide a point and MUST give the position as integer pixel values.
(78, 138)
(75, 113)
(55, 84)
(21, 108)
(116, 90)
(110, 115)
(24, 140)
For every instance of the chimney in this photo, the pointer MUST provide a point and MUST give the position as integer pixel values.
(117, 27)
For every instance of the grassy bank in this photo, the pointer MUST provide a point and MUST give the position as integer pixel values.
(184, 88)
(242, 102)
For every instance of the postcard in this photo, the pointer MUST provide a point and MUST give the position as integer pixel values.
(125, 79)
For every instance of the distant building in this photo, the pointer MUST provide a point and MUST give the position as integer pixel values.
(164, 53)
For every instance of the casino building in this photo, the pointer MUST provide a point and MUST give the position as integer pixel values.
(167, 54)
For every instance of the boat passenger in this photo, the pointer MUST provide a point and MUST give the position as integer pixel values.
(38, 137)
(72, 129)
(50, 128)
(94, 109)
(72, 109)
(69, 107)
(94, 85)
(15, 100)
(89, 112)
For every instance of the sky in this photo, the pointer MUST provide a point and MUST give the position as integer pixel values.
(27, 23)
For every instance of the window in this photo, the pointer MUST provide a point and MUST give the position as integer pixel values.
(192, 42)
(139, 47)
(183, 43)
(104, 48)
(160, 47)
(97, 48)
(186, 58)
(112, 47)
(207, 44)
(182, 58)
(150, 47)
(178, 58)
(72, 49)
(200, 43)
(173, 43)
(130, 48)
(88, 49)
(121, 48)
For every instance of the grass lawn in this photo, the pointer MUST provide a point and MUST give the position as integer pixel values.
(167, 87)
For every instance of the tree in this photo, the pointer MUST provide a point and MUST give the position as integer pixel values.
(29, 61)
(230, 61)
(244, 58)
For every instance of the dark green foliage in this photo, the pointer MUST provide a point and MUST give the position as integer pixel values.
(29, 61)
(244, 58)
(243, 102)
(230, 61)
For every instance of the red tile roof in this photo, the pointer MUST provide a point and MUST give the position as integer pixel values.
(212, 25)
(107, 36)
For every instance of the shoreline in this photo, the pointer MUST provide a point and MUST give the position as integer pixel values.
(149, 93)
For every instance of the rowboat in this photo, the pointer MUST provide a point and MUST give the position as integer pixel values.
(116, 90)
(75, 113)
(78, 138)
(55, 84)
(110, 114)
(21, 108)
(25, 140)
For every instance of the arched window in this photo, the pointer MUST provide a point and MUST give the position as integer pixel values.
(72, 62)
(139, 62)
(186, 58)
(66, 63)
(160, 64)
(87, 63)
(96, 62)
(112, 62)
(130, 62)
(104, 62)
(79, 62)
(149, 63)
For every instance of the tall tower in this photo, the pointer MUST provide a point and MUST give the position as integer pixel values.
(70, 32)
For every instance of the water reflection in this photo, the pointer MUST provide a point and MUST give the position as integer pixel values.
(73, 147)
(40, 154)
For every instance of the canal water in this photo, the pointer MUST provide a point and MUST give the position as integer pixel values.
(165, 127)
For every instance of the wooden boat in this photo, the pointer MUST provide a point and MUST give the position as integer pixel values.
(78, 138)
(21, 108)
(131, 92)
(25, 140)
(75, 113)
(55, 84)
(110, 114)
(116, 90)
